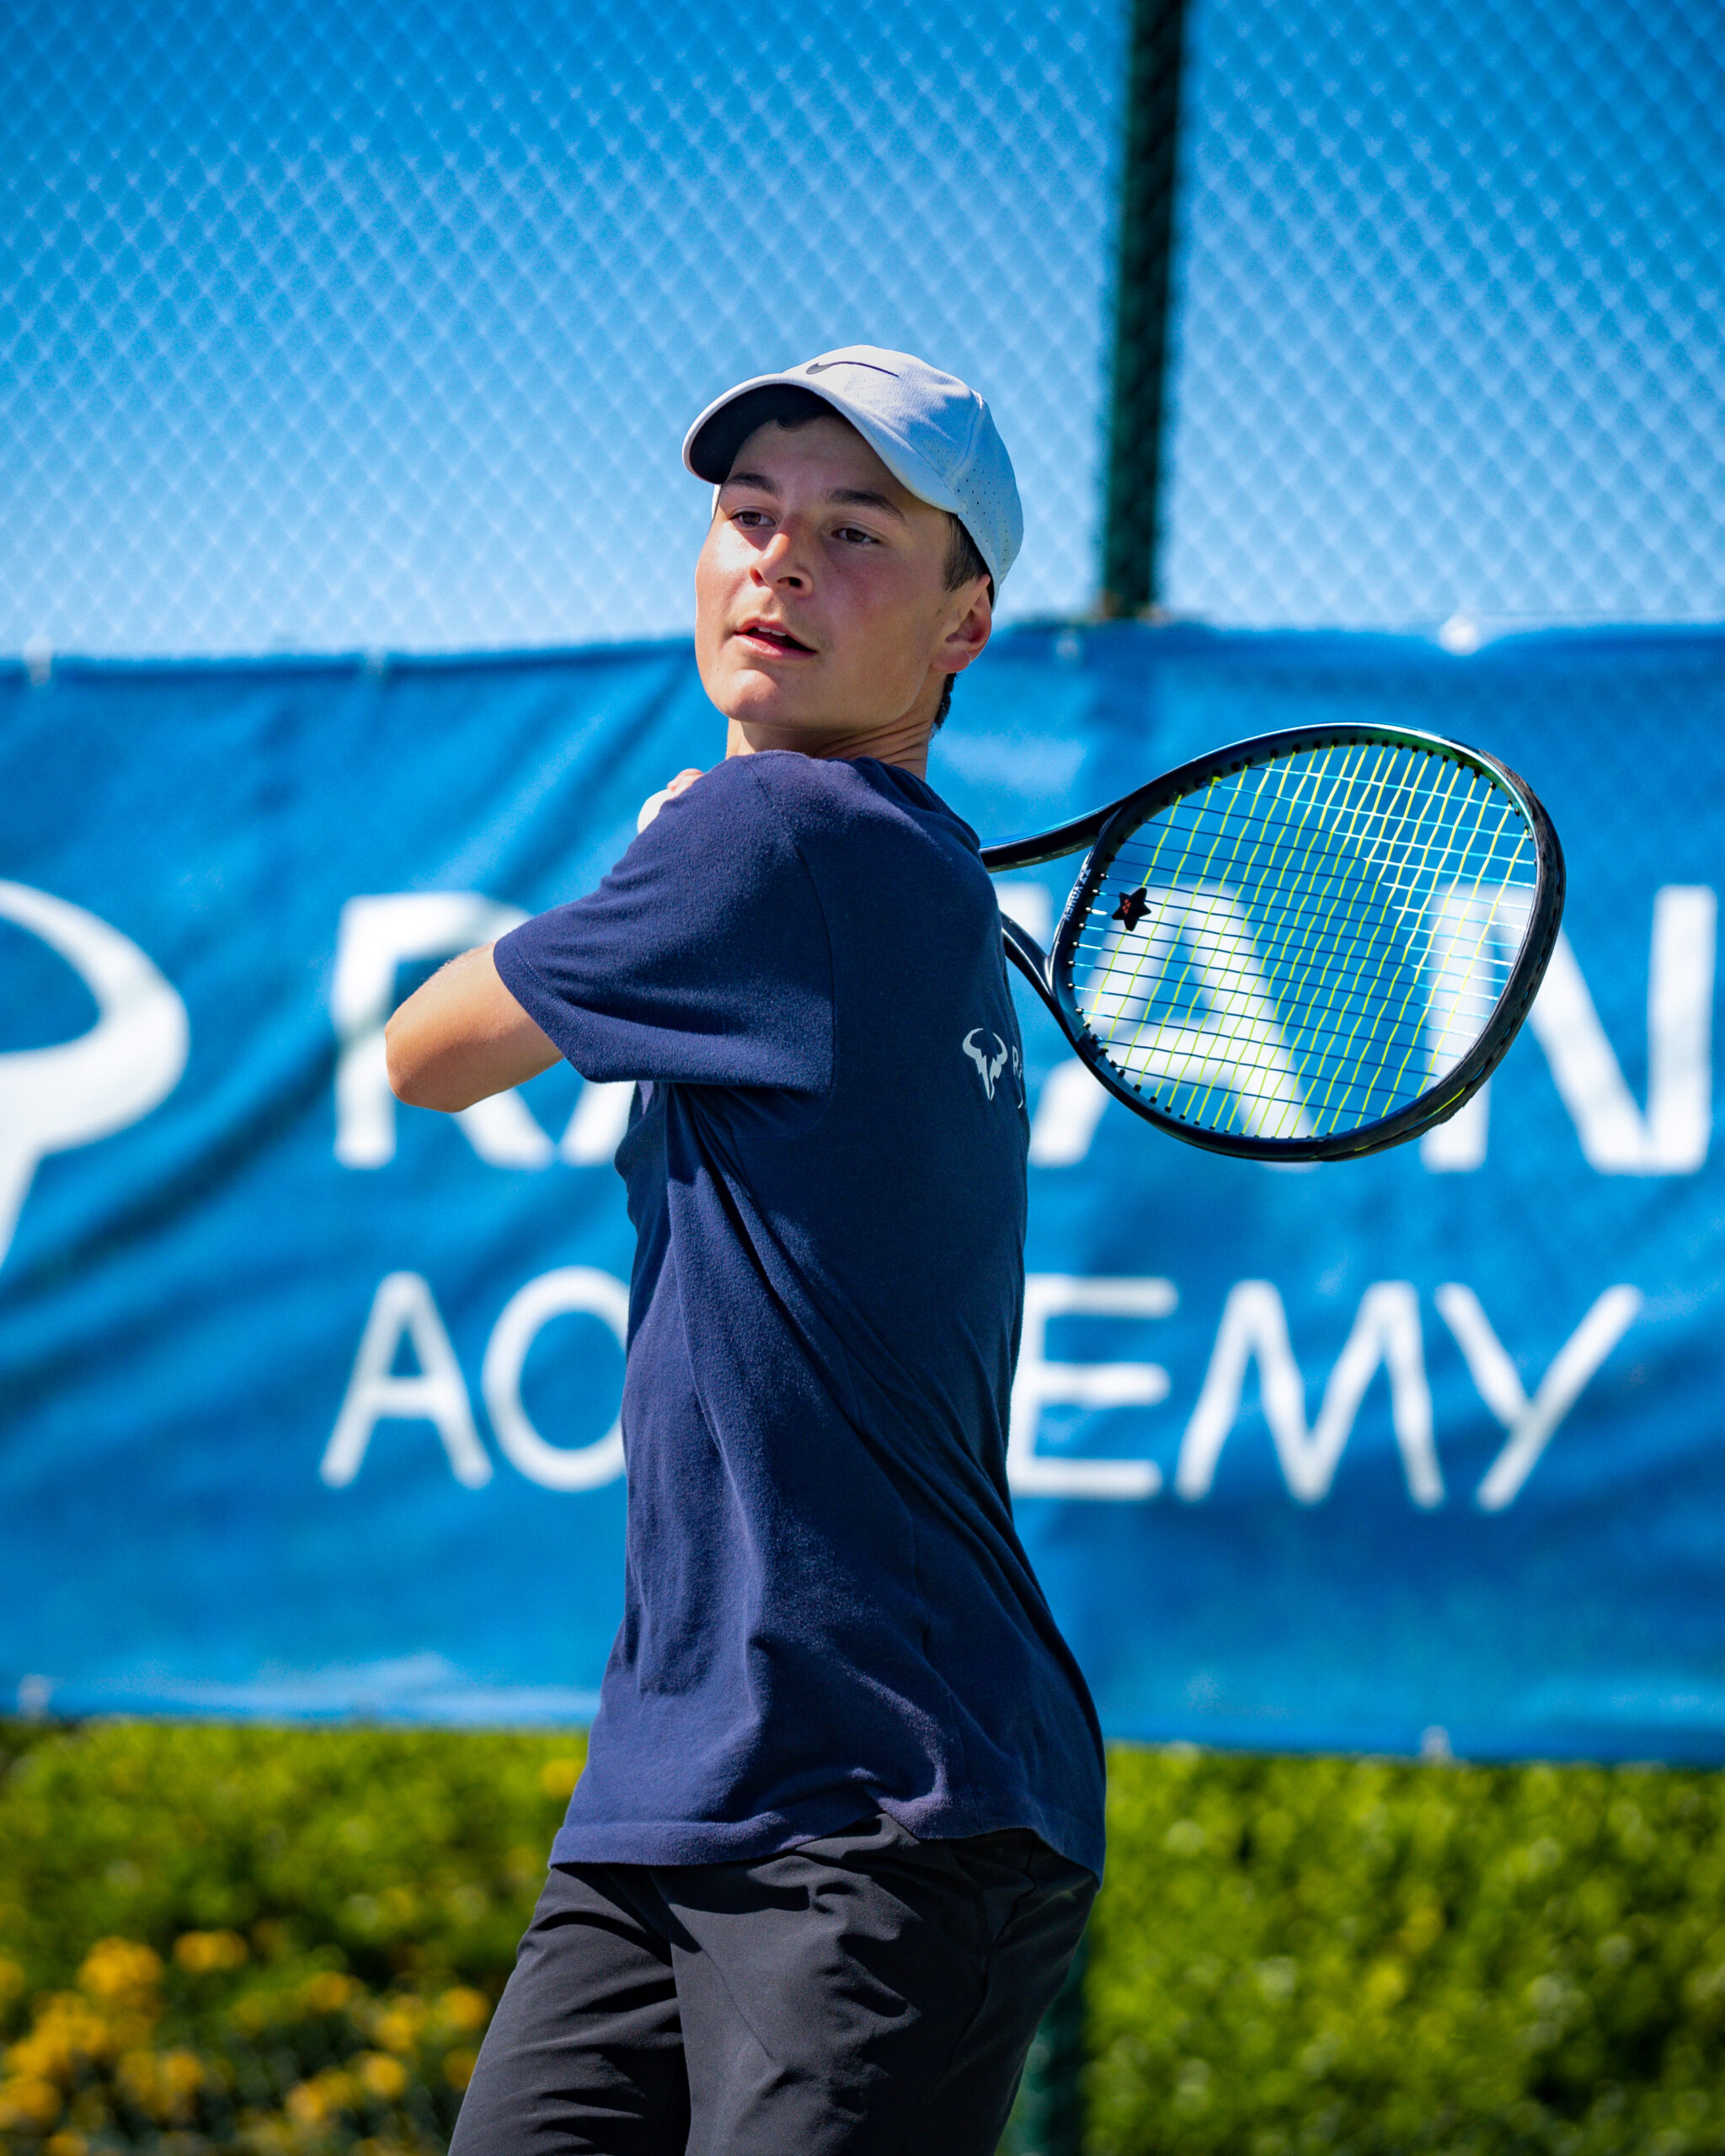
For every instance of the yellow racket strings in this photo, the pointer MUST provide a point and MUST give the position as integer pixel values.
(1372, 807)
(1301, 948)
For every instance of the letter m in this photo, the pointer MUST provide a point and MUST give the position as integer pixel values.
(1254, 1328)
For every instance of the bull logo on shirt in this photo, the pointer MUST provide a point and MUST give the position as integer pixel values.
(988, 1067)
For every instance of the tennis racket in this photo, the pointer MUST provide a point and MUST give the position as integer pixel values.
(1312, 945)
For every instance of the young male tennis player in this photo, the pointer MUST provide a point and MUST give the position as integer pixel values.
(842, 1817)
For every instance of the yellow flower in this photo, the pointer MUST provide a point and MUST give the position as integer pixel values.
(329, 1993)
(202, 1952)
(305, 2105)
(163, 2083)
(557, 1778)
(315, 2102)
(119, 1970)
(270, 2136)
(384, 2076)
(68, 2028)
(26, 2103)
(464, 2009)
(67, 2144)
(398, 2025)
(183, 2074)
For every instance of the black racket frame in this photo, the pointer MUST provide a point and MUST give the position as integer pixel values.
(1099, 837)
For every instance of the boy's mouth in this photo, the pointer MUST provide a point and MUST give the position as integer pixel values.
(774, 637)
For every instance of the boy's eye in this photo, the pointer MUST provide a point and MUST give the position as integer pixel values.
(853, 536)
(751, 519)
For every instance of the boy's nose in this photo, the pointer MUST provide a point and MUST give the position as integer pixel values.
(778, 561)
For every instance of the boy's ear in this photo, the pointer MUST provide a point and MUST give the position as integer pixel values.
(967, 638)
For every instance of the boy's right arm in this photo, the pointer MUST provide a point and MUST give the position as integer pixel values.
(702, 959)
(463, 1036)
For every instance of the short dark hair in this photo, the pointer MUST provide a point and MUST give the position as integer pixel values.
(964, 564)
(785, 404)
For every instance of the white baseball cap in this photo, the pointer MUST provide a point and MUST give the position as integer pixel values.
(935, 436)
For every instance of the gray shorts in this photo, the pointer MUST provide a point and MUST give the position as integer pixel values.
(866, 1993)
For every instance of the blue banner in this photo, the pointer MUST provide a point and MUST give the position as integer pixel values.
(307, 1401)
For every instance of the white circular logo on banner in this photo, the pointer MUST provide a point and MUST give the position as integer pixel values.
(52, 1099)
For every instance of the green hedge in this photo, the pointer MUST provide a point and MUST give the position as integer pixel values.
(1318, 1954)
(399, 1851)
(288, 1943)
(283, 1941)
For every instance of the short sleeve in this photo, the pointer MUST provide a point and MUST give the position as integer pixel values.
(702, 958)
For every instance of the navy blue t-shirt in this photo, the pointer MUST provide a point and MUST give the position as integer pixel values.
(827, 1610)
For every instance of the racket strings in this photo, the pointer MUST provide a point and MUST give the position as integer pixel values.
(1407, 898)
(1402, 896)
(1314, 941)
(1336, 1003)
(1134, 861)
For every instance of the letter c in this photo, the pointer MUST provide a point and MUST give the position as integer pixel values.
(571, 1288)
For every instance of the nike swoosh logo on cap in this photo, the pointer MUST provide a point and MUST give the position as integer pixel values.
(822, 366)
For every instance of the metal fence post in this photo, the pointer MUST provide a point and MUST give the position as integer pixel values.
(1130, 581)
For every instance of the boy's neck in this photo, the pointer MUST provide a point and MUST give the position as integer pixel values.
(905, 742)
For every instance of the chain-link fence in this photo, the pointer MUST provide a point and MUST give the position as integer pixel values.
(1450, 312)
(332, 326)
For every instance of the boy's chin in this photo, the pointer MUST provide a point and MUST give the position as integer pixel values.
(757, 700)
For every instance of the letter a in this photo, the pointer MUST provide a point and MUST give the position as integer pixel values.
(437, 1393)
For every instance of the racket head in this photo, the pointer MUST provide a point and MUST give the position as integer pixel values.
(1312, 945)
